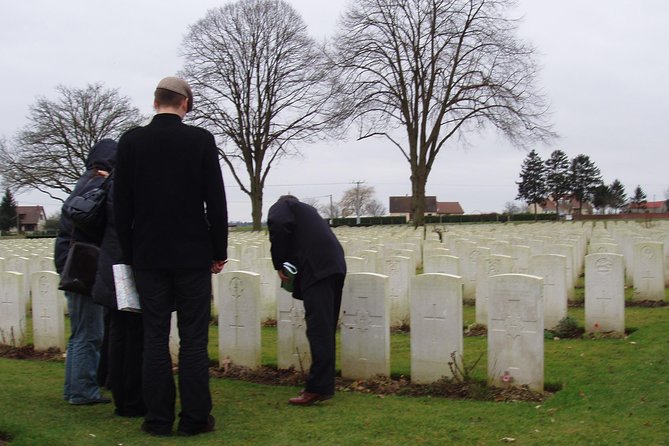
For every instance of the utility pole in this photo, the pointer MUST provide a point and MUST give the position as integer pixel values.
(331, 208)
(357, 201)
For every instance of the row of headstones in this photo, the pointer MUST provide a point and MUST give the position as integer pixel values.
(649, 283)
(515, 321)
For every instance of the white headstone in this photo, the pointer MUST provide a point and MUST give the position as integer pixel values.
(292, 343)
(552, 268)
(48, 313)
(269, 285)
(370, 260)
(469, 267)
(604, 293)
(239, 319)
(487, 266)
(648, 271)
(12, 309)
(21, 265)
(516, 331)
(444, 264)
(355, 264)
(365, 328)
(399, 270)
(436, 326)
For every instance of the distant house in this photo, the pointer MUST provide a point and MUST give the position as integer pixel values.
(401, 206)
(449, 208)
(653, 207)
(571, 206)
(31, 218)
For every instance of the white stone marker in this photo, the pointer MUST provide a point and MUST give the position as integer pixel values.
(399, 270)
(269, 284)
(355, 264)
(604, 293)
(602, 247)
(292, 343)
(552, 267)
(370, 262)
(21, 265)
(516, 331)
(568, 252)
(365, 328)
(648, 271)
(239, 319)
(48, 312)
(521, 258)
(233, 265)
(444, 264)
(487, 266)
(250, 255)
(469, 268)
(12, 309)
(436, 326)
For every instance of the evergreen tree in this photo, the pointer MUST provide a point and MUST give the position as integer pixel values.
(584, 177)
(601, 198)
(639, 198)
(7, 211)
(557, 177)
(618, 195)
(532, 184)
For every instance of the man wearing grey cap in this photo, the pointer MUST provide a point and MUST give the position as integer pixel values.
(171, 217)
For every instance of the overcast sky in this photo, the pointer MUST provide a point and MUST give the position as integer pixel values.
(604, 63)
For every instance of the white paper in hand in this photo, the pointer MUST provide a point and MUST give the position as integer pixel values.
(127, 297)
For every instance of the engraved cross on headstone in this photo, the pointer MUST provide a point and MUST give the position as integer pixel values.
(363, 321)
(236, 291)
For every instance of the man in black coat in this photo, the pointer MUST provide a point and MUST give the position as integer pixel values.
(301, 237)
(171, 219)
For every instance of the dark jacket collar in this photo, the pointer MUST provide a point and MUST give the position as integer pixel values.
(165, 118)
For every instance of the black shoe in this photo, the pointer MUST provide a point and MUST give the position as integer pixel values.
(208, 427)
(88, 402)
(156, 433)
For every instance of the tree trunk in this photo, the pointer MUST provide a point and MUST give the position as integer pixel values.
(418, 182)
(256, 204)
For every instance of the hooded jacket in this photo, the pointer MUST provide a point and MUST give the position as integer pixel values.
(101, 156)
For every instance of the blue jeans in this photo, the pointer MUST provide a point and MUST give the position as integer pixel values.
(83, 349)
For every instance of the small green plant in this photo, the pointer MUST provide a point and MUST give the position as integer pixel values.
(567, 327)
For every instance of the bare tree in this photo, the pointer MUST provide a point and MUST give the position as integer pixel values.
(359, 200)
(436, 69)
(375, 208)
(49, 153)
(330, 210)
(261, 85)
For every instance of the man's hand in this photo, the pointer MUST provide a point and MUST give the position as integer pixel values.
(217, 266)
(282, 276)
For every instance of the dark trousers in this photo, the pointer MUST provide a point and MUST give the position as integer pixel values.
(126, 344)
(322, 301)
(189, 293)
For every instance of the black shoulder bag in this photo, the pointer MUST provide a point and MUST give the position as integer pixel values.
(88, 209)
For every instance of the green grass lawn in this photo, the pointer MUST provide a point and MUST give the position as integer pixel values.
(613, 392)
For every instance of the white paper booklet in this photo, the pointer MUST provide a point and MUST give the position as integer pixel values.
(127, 298)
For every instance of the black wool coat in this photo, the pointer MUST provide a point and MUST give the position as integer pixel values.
(302, 237)
(169, 197)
